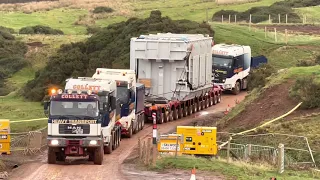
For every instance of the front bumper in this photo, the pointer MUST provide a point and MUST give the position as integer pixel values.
(80, 142)
(224, 86)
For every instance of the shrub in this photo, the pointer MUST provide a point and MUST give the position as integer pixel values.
(258, 77)
(9, 30)
(93, 29)
(305, 63)
(11, 58)
(109, 47)
(39, 29)
(317, 60)
(102, 9)
(307, 90)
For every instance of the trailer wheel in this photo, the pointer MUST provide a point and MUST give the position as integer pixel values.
(193, 106)
(198, 105)
(98, 155)
(137, 127)
(219, 97)
(184, 111)
(215, 99)
(130, 131)
(189, 110)
(180, 112)
(175, 114)
(108, 149)
(211, 100)
(166, 116)
(206, 102)
(161, 119)
(52, 157)
(202, 104)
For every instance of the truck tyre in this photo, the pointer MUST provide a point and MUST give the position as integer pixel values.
(175, 114)
(108, 149)
(137, 127)
(170, 115)
(219, 97)
(206, 102)
(195, 107)
(130, 130)
(52, 157)
(236, 89)
(198, 105)
(215, 100)
(202, 104)
(166, 116)
(211, 100)
(98, 155)
(142, 121)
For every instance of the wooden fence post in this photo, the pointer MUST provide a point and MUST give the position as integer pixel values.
(250, 22)
(286, 18)
(279, 18)
(275, 35)
(228, 150)
(286, 36)
(265, 32)
(148, 151)
(229, 18)
(269, 19)
(235, 19)
(281, 158)
(221, 18)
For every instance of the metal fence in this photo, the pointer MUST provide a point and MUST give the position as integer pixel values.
(264, 148)
(24, 146)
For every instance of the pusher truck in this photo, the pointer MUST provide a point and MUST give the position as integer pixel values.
(232, 65)
(176, 70)
(131, 96)
(82, 120)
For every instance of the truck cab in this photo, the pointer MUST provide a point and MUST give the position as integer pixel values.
(81, 120)
(231, 66)
(126, 88)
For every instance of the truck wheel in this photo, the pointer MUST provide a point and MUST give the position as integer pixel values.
(130, 131)
(236, 89)
(108, 149)
(166, 116)
(175, 114)
(211, 100)
(137, 127)
(52, 157)
(98, 155)
(202, 104)
(142, 121)
(206, 103)
(170, 115)
(215, 100)
(219, 98)
(193, 106)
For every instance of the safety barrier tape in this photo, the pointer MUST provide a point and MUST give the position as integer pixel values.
(28, 120)
(264, 124)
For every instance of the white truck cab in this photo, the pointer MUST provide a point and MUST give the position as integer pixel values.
(231, 66)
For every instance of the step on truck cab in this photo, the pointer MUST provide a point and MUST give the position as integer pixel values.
(82, 120)
(131, 96)
(176, 70)
(231, 66)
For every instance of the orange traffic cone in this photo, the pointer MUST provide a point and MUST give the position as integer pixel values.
(227, 110)
(193, 174)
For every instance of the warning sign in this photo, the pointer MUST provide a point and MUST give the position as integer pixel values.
(169, 147)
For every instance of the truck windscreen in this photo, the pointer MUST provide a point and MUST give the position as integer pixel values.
(122, 94)
(74, 108)
(222, 62)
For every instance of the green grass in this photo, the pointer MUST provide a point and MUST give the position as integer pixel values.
(62, 19)
(312, 13)
(110, 20)
(231, 170)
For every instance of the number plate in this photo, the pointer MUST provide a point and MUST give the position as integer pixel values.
(74, 129)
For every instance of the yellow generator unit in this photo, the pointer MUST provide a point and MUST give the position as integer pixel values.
(199, 140)
(5, 136)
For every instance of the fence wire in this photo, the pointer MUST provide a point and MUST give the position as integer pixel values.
(264, 148)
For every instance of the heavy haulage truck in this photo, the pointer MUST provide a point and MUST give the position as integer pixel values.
(176, 70)
(82, 120)
(131, 96)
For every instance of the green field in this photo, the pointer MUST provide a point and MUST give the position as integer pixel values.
(234, 170)
(312, 13)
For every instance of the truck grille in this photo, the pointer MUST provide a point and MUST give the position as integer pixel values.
(74, 142)
(74, 129)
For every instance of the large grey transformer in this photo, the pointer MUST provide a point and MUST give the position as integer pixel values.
(173, 66)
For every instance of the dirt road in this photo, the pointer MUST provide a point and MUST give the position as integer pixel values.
(111, 168)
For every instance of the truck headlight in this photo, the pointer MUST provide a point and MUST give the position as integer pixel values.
(54, 142)
(93, 142)
(227, 86)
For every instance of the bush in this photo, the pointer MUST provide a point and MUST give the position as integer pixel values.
(102, 9)
(93, 29)
(305, 63)
(307, 90)
(9, 30)
(258, 77)
(317, 61)
(40, 30)
(11, 58)
(109, 48)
